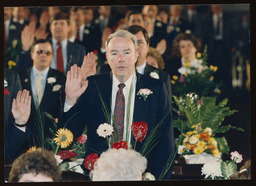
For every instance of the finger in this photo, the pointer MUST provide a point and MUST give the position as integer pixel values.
(75, 72)
(72, 72)
(23, 95)
(27, 97)
(84, 86)
(78, 73)
(18, 96)
(68, 76)
(14, 104)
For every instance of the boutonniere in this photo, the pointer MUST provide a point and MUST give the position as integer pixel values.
(56, 88)
(158, 24)
(154, 74)
(14, 43)
(6, 92)
(51, 80)
(86, 31)
(97, 21)
(144, 92)
(12, 27)
(5, 83)
(177, 29)
(26, 80)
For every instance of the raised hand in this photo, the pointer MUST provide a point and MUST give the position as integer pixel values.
(28, 35)
(21, 107)
(41, 33)
(89, 66)
(106, 32)
(74, 85)
(161, 46)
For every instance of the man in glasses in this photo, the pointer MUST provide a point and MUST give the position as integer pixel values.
(46, 86)
(66, 53)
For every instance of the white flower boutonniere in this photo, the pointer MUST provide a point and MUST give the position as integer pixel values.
(26, 80)
(5, 83)
(56, 88)
(154, 74)
(159, 24)
(14, 43)
(105, 130)
(12, 27)
(144, 92)
(51, 80)
(86, 31)
(177, 29)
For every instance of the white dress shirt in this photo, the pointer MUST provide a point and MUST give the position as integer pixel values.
(64, 44)
(141, 69)
(6, 26)
(215, 21)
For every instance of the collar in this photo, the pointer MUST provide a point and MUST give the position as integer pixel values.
(141, 68)
(63, 43)
(127, 83)
(44, 72)
(7, 22)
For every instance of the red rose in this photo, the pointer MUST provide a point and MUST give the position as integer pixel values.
(82, 139)
(120, 144)
(95, 52)
(139, 130)
(6, 92)
(90, 160)
(64, 154)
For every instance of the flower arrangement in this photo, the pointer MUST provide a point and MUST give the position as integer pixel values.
(12, 53)
(222, 169)
(199, 120)
(145, 92)
(196, 77)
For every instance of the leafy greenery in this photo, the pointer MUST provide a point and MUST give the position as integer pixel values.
(228, 168)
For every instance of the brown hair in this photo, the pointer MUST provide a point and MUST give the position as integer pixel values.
(184, 36)
(156, 54)
(60, 16)
(38, 161)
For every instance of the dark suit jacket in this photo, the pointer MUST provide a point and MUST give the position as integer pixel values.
(163, 76)
(51, 101)
(153, 110)
(75, 54)
(159, 33)
(91, 38)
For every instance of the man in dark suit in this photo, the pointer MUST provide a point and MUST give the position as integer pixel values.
(83, 96)
(141, 66)
(88, 34)
(218, 35)
(72, 53)
(47, 89)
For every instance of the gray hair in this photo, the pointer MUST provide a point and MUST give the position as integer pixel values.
(123, 34)
(119, 165)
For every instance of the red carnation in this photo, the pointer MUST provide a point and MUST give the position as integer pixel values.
(82, 139)
(90, 160)
(6, 92)
(139, 130)
(120, 144)
(64, 154)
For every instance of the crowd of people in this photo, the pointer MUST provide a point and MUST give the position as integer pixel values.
(58, 59)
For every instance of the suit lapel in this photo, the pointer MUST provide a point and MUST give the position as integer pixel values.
(70, 56)
(48, 87)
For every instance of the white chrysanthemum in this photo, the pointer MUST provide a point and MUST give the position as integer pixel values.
(212, 169)
(209, 130)
(193, 140)
(5, 83)
(154, 75)
(148, 177)
(105, 130)
(51, 80)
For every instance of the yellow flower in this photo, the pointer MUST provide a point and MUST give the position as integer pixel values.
(64, 137)
(212, 141)
(175, 77)
(209, 130)
(190, 133)
(211, 67)
(211, 78)
(11, 64)
(215, 69)
(185, 140)
(33, 148)
(216, 152)
(173, 82)
(186, 74)
(201, 144)
(193, 140)
(198, 150)
(186, 64)
(197, 135)
(198, 55)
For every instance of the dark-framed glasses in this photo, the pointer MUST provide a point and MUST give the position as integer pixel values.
(40, 52)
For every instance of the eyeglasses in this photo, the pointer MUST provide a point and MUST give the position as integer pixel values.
(40, 52)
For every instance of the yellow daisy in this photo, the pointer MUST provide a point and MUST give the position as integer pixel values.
(175, 77)
(33, 148)
(198, 55)
(198, 150)
(186, 74)
(64, 137)
(172, 81)
(186, 64)
(211, 78)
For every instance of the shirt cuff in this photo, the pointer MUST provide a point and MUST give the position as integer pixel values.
(21, 128)
(67, 107)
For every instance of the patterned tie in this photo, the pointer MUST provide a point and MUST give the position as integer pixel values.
(120, 110)
(78, 34)
(39, 88)
(59, 58)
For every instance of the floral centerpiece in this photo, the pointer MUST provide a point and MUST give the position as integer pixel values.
(12, 53)
(196, 77)
(200, 122)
